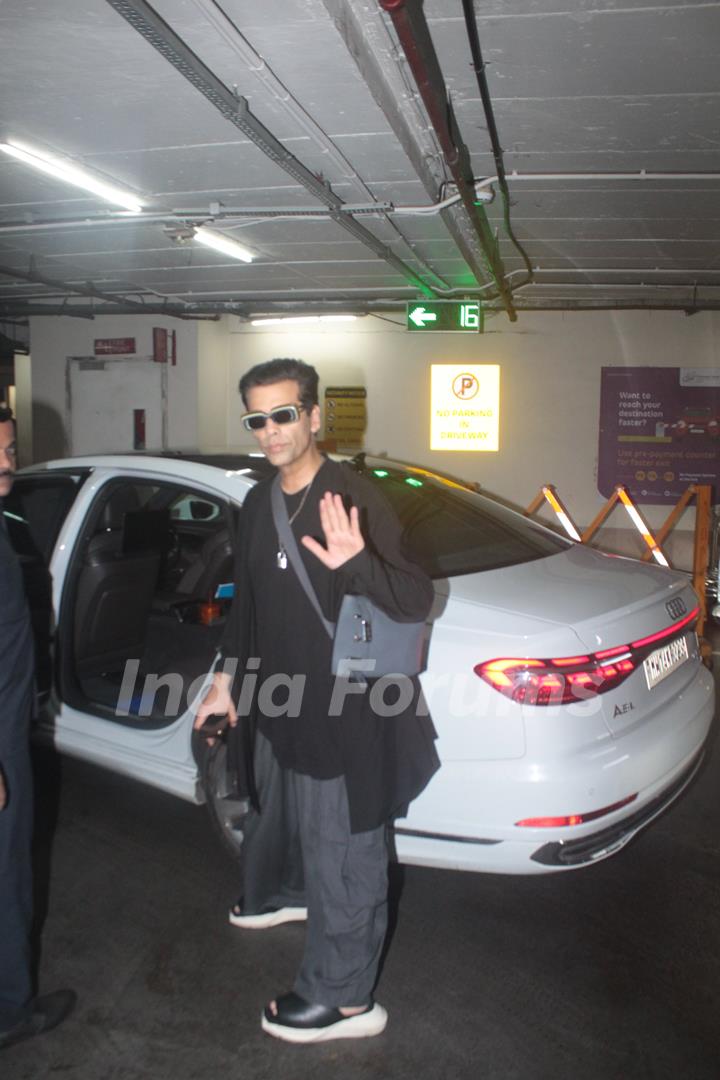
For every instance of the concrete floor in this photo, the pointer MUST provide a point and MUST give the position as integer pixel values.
(609, 972)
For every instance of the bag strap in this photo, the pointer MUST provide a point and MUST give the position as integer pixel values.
(287, 539)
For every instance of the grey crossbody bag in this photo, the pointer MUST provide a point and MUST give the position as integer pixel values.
(363, 632)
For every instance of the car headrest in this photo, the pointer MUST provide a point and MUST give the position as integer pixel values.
(121, 502)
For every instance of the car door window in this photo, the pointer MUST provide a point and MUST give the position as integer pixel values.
(35, 510)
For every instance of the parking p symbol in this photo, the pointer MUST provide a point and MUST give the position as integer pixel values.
(465, 386)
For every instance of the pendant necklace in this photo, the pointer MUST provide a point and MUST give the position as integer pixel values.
(281, 557)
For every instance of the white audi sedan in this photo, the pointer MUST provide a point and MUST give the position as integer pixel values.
(566, 685)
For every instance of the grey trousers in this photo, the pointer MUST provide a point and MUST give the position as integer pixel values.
(306, 823)
(16, 899)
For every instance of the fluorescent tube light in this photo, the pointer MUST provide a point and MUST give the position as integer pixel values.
(224, 244)
(295, 319)
(64, 170)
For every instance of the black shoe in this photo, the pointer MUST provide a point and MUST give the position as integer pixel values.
(48, 1011)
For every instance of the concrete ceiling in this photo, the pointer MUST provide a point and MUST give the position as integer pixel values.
(271, 122)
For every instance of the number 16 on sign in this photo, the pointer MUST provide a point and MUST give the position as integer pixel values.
(470, 316)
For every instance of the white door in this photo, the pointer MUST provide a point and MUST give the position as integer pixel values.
(116, 405)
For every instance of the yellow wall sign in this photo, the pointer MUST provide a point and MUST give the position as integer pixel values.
(345, 415)
(464, 406)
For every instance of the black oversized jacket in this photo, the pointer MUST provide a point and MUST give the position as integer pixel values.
(386, 760)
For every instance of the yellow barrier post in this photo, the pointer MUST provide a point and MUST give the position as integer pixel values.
(550, 495)
(641, 525)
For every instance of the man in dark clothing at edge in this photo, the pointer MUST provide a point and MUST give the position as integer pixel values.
(331, 772)
(21, 1015)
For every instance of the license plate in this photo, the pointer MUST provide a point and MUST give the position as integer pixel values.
(664, 661)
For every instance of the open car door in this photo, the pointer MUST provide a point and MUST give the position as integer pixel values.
(34, 512)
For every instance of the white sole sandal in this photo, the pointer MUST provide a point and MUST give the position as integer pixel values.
(299, 1021)
(265, 919)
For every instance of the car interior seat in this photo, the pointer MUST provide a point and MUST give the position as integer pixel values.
(212, 566)
(117, 582)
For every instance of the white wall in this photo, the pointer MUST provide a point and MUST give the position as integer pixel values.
(213, 372)
(550, 387)
(54, 339)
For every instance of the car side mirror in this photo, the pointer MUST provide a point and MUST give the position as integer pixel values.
(200, 511)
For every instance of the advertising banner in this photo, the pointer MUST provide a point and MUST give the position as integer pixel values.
(659, 431)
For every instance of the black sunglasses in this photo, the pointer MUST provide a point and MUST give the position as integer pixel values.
(281, 414)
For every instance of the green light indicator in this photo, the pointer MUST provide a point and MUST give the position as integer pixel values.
(413, 482)
(380, 472)
(445, 316)
(421, 317)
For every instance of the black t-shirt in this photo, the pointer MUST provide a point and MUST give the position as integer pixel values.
(386, 760)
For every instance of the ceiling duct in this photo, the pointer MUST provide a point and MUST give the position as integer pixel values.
(234, 108)
(413, 33)
(27, 309)
(118, 304)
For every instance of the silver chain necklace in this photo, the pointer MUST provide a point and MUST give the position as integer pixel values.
(281, 558)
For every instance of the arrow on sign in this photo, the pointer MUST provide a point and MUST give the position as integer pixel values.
(420, 316)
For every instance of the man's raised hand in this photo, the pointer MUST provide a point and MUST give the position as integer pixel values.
(341, 530)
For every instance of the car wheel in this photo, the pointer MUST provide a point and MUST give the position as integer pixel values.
(227, 809)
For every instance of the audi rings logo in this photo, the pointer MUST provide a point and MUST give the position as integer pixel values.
(675, 608)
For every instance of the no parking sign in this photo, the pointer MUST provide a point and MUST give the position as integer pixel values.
(464, 407)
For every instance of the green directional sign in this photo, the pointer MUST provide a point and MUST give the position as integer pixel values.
(443, 316)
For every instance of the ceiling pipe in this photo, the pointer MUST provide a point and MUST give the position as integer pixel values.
(484, 89)
(136, 306)
(640, 174)
(694, 271)
(285, 100)
(413, 33)
(219, 212)
(690, 307)
(25, 309)
(143, 18)
(225, 214)
(372, 46)
(54, 283)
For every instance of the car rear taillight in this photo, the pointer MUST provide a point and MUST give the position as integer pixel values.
(555, 682)
(565, 679)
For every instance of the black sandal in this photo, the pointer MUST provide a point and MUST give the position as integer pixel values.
(300, 1021)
